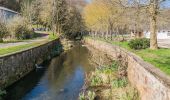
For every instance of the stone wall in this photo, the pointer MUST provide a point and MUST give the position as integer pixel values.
(17, 65)
(151, 83)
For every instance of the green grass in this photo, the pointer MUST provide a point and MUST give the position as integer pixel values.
(159, 58)
(4, 51)
(53, 36)
(13, 49)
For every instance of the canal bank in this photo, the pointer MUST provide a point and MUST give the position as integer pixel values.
(151, 83)
(16, 65)
(108, 81)
(59, 79)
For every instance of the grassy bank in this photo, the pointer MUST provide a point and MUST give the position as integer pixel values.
(9, 50)
(13, 49)
(106, 83)
(159, 58)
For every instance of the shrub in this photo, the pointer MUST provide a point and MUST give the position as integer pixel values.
(20, 28)
(138, 44)
(22, 32)
(3, 31)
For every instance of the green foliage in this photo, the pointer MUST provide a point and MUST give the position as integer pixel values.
(91, 95)
(82, 96)
(96, 80)
(137, 44)
(52, 36)
(108, 69)
(3, 31)
(119, 83)
(131, 94)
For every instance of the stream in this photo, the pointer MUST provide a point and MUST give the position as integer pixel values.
(62, 78)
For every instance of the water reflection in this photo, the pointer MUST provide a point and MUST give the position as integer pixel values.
(61, 80)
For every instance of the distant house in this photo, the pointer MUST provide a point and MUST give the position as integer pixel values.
(6, 14)
(163, 34)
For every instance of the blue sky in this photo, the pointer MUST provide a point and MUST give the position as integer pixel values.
(88, 0)
(165, 4)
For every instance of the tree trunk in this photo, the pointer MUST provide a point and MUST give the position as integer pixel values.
(111, 37)
(153, 25)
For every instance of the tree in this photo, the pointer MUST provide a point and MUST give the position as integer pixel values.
(58, 15)
(122, 15)
(105, 17)
(153, 9)
(36, 8)
(153, 23)
(3, 31)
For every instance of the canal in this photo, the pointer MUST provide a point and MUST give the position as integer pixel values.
(62, 78)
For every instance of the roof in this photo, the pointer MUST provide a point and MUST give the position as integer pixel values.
(6, 9)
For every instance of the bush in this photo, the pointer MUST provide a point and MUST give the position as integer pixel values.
(22, 32)
(138, 44)
(20, 28)
(3, 31)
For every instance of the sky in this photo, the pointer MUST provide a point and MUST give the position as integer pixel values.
(88, 1)
(165, 4)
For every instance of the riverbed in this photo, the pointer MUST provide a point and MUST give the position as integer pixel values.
(62, 78)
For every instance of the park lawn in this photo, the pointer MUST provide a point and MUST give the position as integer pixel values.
(9, 50)
(159, 58)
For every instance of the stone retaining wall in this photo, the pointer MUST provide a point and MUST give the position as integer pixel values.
(151, 83)
(17, 65)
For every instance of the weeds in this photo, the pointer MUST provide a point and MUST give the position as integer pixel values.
(96, 80)
(108, 84)
(90, 95)
(52, 36)
(82, 96)
(109, 69)
(131, 94)
(119, 83)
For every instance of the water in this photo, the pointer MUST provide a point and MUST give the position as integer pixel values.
(61, 79)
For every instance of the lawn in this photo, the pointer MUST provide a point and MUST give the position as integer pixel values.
(9, 50)
(5, 51)
(159, 58)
